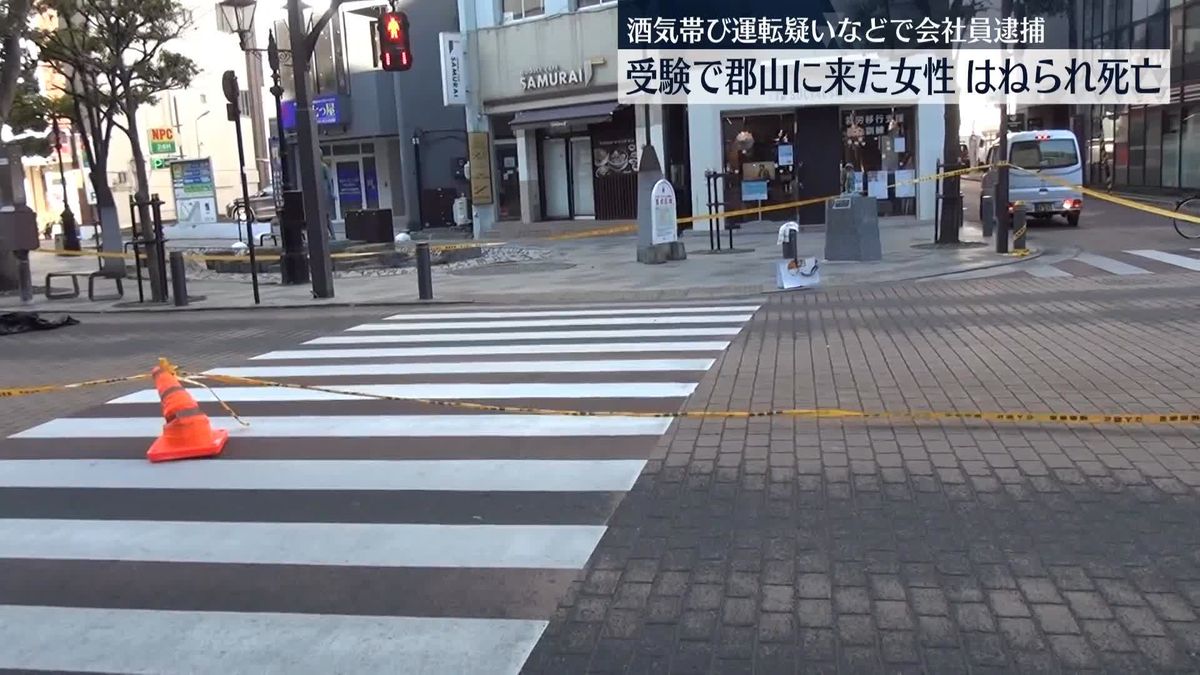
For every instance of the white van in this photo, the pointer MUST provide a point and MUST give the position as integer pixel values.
(1051, 185)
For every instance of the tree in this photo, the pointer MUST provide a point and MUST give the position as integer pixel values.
(112, 55)
(14, 27)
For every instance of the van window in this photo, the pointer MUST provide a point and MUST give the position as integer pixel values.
(1051, 153)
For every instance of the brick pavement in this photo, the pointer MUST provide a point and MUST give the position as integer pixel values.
(778, 545)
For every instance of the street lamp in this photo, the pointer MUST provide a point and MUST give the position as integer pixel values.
(239, 16)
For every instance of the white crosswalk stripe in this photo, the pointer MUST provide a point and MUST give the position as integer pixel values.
(1100, 265)
(1110, 265)
(340, 532)
(1170, 259)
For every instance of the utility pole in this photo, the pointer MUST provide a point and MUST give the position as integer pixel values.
(1001, 201)
(303, 43)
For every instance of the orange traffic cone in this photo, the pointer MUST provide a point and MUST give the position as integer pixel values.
(187, 433)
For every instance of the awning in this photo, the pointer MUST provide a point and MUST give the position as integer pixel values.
(585, 113)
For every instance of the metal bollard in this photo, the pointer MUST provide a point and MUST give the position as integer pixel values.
(988, 215)
(424, 272)
(24, 277)
(789, 246)
(178, 279)
(1019, 226)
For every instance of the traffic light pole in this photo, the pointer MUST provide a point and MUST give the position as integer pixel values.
(314, 189)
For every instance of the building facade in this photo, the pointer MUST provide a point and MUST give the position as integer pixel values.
(1145, 148)
(386, 140)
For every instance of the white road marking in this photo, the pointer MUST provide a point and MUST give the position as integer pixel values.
(1110, 265)
(488, 350)
(471, 368)
(615, 311)
(1046, 272)
(494, 475)
(364, 426)
(335, 544)
(155, 641)
(1170, 259)
(440, 392)
(517, 336)
(554, 323)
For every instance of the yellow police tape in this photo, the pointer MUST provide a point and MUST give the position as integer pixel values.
(626, 228)
(50, 388)
(812, 413)
(271, 256)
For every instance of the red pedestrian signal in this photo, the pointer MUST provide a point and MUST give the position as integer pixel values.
(395, 54)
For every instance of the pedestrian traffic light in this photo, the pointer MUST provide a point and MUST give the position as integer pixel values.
(394, 51)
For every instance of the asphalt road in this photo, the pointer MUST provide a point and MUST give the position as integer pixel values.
(1104, 227)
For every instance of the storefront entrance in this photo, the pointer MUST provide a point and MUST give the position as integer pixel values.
(355, 178)
(567, 167)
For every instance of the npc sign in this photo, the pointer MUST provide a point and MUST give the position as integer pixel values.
(663, 214)
(162, 141)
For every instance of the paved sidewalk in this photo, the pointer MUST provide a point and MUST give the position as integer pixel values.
(779, 545)
(586, 270)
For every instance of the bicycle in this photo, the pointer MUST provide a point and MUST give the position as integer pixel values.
(1189, 206)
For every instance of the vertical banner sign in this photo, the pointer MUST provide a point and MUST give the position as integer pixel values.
(195, 191)
(454, 69)
(162, 141)
(663, 214)
(479, 146)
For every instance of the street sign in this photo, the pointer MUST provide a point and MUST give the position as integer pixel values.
(159, 162)
(454, 70)
(162, 141)
(195, 191)
(479, 167)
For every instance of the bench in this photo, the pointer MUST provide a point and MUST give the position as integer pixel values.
(62, 294)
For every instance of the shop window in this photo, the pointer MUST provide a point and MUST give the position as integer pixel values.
(759, 160)
(1191, 41)
(523, 9)
(1139, 36)
(1121, 150)
(593, 3)
(1123, 14)
(1170, 147)
(1137, 146)
(1153, 147)
(1110, 13)
(879, 144)
(1156, 31)
(1189, 175)
(1176, 44)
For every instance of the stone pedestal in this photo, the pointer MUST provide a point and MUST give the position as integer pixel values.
(852, 229)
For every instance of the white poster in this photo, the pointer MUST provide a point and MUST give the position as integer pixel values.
(663, 214)
(454, 69)
(877, 184)
(904, 183)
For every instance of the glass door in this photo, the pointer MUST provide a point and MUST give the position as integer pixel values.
(554, 168)
(348, 180)
(510, 181)
(581, 175)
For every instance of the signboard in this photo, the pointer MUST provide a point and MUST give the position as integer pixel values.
(754, 191)
(328, 110)
(454, 69)
(877, 184)
(162, 141)
(195, 191)
(479, 165)
(905, 185)
(663, 214)
(786, 154)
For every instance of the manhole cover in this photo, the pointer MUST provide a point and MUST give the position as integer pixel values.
(513, 268)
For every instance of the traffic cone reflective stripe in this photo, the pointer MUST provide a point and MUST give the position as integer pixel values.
(187, 432)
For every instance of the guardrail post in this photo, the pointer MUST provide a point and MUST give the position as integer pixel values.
(424, 272)
(179, 279)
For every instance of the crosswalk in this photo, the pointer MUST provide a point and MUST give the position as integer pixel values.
(340, 532)
(1130, 263)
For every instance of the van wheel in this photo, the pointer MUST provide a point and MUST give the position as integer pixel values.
(1073, 219)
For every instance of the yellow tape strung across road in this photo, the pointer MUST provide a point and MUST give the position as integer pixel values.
(826, 413)
(626, 228)
(50, 388)
(810, 413)
(225, 257)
